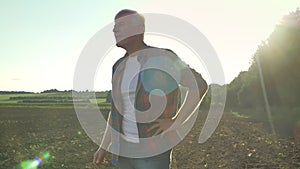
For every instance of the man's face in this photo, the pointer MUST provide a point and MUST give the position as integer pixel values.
(125, 27)
(121, 30)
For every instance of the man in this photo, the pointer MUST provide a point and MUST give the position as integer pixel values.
(145, 98)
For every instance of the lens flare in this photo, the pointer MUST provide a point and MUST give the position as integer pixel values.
(46, 155)
(33, 164)
(38, 160)
(29, 164)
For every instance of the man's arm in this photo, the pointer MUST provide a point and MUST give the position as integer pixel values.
(197, 88)
(100, 154)
(195, 94)
(107, 134)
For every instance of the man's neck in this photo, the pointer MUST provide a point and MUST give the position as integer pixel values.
(135, 47)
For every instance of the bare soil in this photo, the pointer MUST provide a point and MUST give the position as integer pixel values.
(26, 133)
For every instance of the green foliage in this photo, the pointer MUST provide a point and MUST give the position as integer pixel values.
(15, 92)
(55, 100)
(279, 58)
(285, 119)
(218, 95)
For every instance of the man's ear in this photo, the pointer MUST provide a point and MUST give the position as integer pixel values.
(141, 28)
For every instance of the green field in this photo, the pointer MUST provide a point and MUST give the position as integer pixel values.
(53, 100)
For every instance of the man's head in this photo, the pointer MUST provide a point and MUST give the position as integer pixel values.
(129, 27)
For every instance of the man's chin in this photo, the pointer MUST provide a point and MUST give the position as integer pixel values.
(120, 44)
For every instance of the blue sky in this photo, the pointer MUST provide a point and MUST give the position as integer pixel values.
(42, 40)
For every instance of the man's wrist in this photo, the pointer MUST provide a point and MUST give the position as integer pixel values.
(102, 148)
(175, 123)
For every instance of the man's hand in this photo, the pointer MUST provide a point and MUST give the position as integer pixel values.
(99, 157)
(162, 125)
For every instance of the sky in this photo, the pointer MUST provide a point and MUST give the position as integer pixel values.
(41, 41)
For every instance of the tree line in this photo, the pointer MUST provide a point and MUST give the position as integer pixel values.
(275, 67)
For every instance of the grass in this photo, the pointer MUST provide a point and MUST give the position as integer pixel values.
(236, 114)
(51, 100)
(284, 119)
(4, 98)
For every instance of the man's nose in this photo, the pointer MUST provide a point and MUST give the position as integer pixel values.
(115, 29)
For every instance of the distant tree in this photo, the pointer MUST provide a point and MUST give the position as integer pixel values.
(109, 97)
(15, 92)
(279, 58)
(50, 91)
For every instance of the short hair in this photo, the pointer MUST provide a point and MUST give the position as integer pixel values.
(137, 17)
